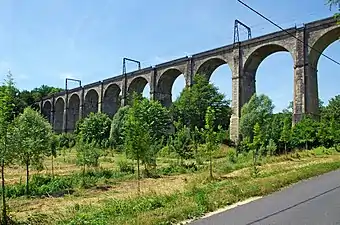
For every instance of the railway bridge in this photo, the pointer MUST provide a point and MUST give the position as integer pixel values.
(305, 45)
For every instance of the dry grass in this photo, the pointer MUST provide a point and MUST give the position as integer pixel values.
(22, 207)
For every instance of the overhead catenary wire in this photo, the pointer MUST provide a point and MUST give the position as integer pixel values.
(278, 26)
(293, 20)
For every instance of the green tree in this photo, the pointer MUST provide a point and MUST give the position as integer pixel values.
(190, 107)
(286, 133)
(96, 129)
(13, 97)
(256, 145)
(324, 134)
(44, 91)
(6, 116)
(33, 133)
(156, 118)
(137, 137)
(335, 133)
(271, 147)
(258, 137)
(332, 110)
(211, 136)
(275, 126)
(180, 142)
(258, 110)
(54, 147)
(305, 132)
(329, 133)
(87, 155)
(118, 126)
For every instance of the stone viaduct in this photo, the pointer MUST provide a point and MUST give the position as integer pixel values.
(65, 108)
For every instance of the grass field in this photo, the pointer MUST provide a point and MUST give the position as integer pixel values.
(175, 195)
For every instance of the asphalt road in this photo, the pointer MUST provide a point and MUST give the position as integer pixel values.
(313, 202)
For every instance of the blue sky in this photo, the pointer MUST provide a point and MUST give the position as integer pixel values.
(42, 42)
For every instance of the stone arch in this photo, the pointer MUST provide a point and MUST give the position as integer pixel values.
(209, 66)
(312, 89)
(136, 85)
(46, 110)
(111, 101)
(321, 44)
(91, 102)
(164, 86)
(59, 115)
(73, 112)
(252, 63)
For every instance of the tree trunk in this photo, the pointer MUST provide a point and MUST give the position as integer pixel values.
(52, 168)
(285, 148)
(4, 212)
(306, 145)
(27, 178)
(84, 170)
(138, 176)
(210, 158)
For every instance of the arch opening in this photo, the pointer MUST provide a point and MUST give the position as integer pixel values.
(209, 66)
(219, 73)
(269, 86)
(178, 87)
(112, 99)
(137, 85)
(146, 91)
(59, 115)
(325, 88)
(321, 44)
(73, 112)
(275, 78)
(47, 108)
(91, 102)
(221, 78)
(165, 86)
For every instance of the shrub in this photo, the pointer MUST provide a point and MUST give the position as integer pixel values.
(66, 140)
(176, 168)
(42, 185)
(125, 166)
(117, 128)
(271, 147)
(96, 129)
(46, 185)
(231, 154)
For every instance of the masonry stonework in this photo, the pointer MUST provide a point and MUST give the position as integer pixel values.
(64, 109)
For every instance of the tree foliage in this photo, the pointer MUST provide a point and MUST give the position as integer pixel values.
(118, 127)
(305, 132)
(332, 110)
(137, 136)
(88, 154)
(286, 133)
(211, 136)
(190, 107)
(34, 133)
(180, 142)
(6, 142)
(258, 110)
(95, 129)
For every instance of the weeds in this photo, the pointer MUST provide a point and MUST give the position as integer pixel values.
(199, 199)
(46, 185)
